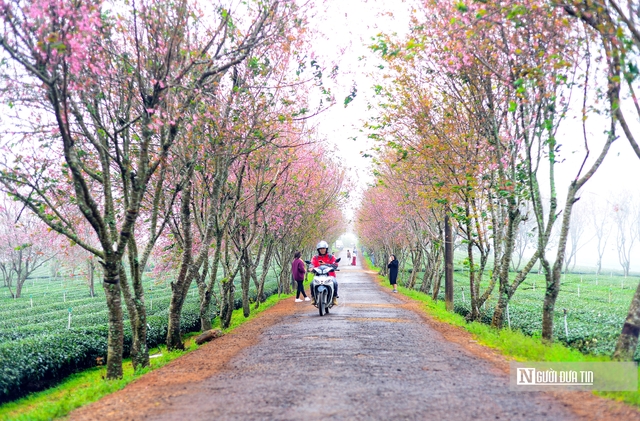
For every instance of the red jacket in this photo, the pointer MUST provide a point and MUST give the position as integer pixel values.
(327, 259)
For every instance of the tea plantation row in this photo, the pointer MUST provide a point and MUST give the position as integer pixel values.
(596, 309)
(39, 347)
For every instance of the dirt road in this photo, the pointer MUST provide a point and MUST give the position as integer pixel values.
(373, 357)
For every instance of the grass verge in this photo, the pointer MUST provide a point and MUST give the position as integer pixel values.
(511, 343)
(88, 386)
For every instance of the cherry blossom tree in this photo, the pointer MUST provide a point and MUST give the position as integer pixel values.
(26, 244)
(492, 82)
(242, 151)
(110, 94)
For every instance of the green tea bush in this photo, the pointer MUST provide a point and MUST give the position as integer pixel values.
(30, 364)
(37, 350)
(35, 363)
(596, 308)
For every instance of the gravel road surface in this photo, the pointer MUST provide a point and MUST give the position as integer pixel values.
(370, 358)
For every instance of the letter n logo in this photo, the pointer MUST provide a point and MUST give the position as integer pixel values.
(526, 376)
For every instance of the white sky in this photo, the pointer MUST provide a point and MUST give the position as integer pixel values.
(345, 30)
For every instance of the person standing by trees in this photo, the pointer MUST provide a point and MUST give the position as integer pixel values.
(298, 271)
(393, 272)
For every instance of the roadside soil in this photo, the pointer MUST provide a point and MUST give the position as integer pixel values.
(375, 356)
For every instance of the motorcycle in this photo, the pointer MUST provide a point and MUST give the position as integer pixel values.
(322, 286)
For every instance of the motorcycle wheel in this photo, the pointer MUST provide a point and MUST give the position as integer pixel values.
(321, 306)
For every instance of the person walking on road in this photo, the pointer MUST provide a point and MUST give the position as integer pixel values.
(298, 271)
(393, 272)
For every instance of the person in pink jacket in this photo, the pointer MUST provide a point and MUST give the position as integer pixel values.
(298, 271)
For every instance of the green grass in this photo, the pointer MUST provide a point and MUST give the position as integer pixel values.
(512, 343)
(89, 385)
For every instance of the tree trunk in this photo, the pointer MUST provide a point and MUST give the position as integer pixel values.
(205, 318)
(180, 286)
(245, 277)
(548, 308)
(180, 289)
(136, 308)
(436, 288)
(475, 313)
(402, 270)
(285, 272)
(174, 339)
(628, 339)
(228, 295)
(417, 263)
(205, 298)
(189, 269)
(553, 277)
(384, 270)
(489, 290)
(263, 276)
(19, 283)
(437, 275)
(599, 266)
(91, 268)
(432, 271)
(448, 264)
(426, 280)
(116, 326)
(253, 268)
(505, 263)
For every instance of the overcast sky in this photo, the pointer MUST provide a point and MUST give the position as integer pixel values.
(345, 30)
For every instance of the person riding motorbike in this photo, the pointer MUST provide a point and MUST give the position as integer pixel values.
(324, 258)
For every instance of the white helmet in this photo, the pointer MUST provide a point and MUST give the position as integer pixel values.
(323, 245)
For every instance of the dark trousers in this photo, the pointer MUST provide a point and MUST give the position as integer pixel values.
(300, 289)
